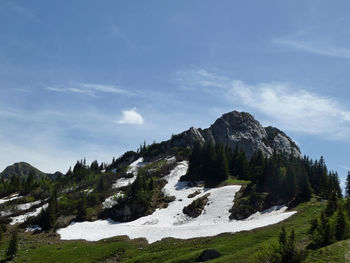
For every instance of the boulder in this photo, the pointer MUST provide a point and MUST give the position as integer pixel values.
(209, 254)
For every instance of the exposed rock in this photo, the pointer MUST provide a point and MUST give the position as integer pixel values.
(194, 194)
(209, 254)
(239, 129)
(196, 207)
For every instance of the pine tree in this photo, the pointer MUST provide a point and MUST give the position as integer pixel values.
(347, 206)
(332, 204)
(81, 209)
(52, 211)
(222, 171)
(340, 225)
(347, 188)
(13, 246)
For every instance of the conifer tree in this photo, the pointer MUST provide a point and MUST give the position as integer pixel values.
(222, 171)
(13, 246)
(81, 209)
(332, 204)
(347, 188)
(52, 211)
(340, 225)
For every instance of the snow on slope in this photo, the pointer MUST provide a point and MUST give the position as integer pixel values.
(111, 201)
(171, 222)
(20, 207)
(131, 169)
(23, 218)
(9, 198)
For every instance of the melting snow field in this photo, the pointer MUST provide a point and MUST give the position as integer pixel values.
(7, 199)
(23, 218)
(171, 222)
(132, 169)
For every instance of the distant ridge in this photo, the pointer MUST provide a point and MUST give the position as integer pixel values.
(21, 169)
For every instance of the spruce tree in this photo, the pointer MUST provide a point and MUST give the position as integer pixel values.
(340, 225)
(52, 211)
(13, 246)
(81, 209)
(222, 171)
(347, 188)
(332, 204)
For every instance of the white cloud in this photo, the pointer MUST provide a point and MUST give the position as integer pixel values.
(92, 89)
(280, 103)
(131, 117)
(325, 50)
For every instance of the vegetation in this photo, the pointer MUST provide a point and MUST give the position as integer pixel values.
(238, 247)
(79, 193)
(331, 224)
(13, 246)
(277, 180)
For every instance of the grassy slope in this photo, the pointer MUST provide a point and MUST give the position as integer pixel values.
(234, 247)
(338, 252)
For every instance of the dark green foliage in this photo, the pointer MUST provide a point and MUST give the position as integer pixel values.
(81, 209)
(347, 187)
(332, 204)
(208, 163)
(283, 252)
(332, 223)
(13, 246)
(222, 172)
(340, 225)
(3, 229)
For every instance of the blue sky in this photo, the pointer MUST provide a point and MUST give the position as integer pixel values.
(91, 79)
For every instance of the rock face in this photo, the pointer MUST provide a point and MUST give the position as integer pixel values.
(242, 130)
(195, 209)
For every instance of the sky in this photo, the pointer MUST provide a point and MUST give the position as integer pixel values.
(91, 79)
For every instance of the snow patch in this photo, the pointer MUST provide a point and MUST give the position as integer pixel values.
(88, 191)
(27, 206)
(22, 218)
(10, 198)
(33, 228)
(133, 168)
(171, 222)
(112, 200)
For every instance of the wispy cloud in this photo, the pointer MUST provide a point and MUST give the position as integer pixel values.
(315, 48)
(282, 104)
(323, 39)
(347, 168)
(92, 89)
(117, 32)
(23, 11)
(131, 117)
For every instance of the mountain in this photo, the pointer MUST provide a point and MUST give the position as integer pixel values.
(239, 129)
(21, 169)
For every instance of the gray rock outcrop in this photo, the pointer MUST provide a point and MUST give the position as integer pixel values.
(240, 129)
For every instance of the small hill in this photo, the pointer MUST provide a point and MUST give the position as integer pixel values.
(21, 169)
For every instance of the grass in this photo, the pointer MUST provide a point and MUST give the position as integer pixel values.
(237, 247)
(233, 181)
(338, 252)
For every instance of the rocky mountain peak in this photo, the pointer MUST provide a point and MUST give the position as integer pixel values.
(242, 130)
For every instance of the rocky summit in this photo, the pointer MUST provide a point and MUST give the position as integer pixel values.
(240, 129)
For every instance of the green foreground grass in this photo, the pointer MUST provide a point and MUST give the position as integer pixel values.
(237, 247)
(338, 252)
